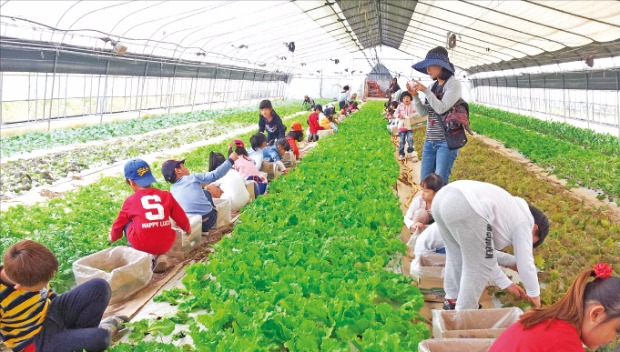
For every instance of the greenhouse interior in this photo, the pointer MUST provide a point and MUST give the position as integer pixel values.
(310, 175)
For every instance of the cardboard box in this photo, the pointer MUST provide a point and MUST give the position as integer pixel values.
(249, 185)
(473, 323)
(324, 133)
(223, 211)
(184, 243)
(433, 259)
(126, 270)
(428, 271)
(454, 345)
(430, 283)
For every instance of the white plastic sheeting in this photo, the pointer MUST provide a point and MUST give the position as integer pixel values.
(254, 34)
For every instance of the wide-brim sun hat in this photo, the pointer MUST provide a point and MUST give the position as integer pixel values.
(434, 59)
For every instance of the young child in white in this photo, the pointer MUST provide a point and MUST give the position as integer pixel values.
(403, 113)
(419, 213)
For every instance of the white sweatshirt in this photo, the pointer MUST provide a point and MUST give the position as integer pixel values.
(512, 223)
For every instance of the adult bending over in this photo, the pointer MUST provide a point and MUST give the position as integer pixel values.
(436, 157)
(475, 218)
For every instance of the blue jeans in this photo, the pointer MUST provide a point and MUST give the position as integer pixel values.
(437, 158)
(209, 220)
(401, 146)
(73, 318)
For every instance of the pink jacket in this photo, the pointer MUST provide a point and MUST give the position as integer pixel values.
(246, 167)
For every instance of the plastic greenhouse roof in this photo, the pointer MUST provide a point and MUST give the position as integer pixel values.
(487, 35)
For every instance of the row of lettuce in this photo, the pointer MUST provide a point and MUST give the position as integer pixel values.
(25, 173)
(582, 157)
(45, 140)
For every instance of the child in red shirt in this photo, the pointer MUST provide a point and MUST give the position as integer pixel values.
(313, 123)
(145, 215)
(296, 135)
(589, 314)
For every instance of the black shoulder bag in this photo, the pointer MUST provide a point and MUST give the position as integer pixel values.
(454, 122)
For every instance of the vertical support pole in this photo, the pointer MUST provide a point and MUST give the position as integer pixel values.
(1, 89)
(587, 101)
(174, 79)
(44, 96)
(618, 100)
(545, 97)
(90, 96)
(195, 88)
(213, 89)
(66, 93)
(146, 67)
(29, 88)
(36, 100)
(226, 87)
(252, 87)
(49, 118)
(105, 92)
(564, 98)
(529, 81)
(112, 96)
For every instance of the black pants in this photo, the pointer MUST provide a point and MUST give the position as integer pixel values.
(209, 220)
(73, 318)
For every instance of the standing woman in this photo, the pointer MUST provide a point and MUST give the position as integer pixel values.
(343, 99)
(393, 91)
(436, 157)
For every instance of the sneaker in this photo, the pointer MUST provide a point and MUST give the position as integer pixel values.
(449, 304)
(401, 157)
(113, 323)
(162, 263)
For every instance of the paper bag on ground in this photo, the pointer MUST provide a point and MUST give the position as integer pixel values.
(473, 323)
(249, 185)
(453, 345)
(184, 242)
(223, 211)
(124, 268)
(324, 133)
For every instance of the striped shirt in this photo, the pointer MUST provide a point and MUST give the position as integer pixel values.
(22, 314)
(441, 101)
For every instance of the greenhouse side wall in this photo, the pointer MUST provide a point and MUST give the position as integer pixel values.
(583, 99)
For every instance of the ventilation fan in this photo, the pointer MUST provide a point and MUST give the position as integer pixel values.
(290, 46)
(451, 42)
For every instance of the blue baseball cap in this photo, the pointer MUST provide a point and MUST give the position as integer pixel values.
(139, 171)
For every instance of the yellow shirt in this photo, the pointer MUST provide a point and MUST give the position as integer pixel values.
(22, 314)
(324, 122)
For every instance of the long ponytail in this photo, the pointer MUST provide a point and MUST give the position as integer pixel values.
(604, 289)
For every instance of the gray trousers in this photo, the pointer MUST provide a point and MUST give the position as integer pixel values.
(469, 248)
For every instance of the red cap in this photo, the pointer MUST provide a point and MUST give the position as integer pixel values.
(296, 126)
(239, 143)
